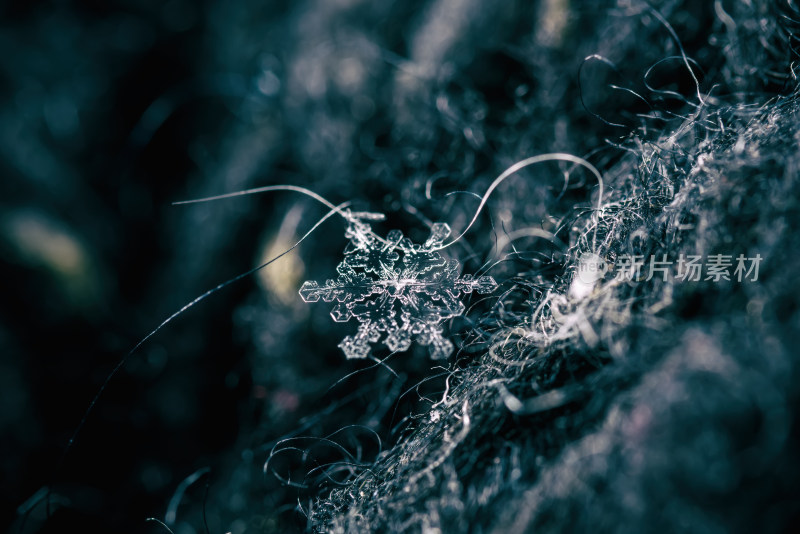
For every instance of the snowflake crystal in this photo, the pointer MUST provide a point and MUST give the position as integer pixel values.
(397, 288)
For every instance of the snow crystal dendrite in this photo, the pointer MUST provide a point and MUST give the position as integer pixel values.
(395, 287)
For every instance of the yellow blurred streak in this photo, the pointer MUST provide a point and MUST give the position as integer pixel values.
(282, 279)
(39, 241)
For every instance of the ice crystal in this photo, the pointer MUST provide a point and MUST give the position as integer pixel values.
(397, 289)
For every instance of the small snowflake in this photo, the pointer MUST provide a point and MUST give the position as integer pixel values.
(395, 287)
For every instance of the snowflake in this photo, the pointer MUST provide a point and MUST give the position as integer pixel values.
(397, 288)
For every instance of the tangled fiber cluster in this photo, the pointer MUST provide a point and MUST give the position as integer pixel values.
(643, 406)
(634, 406)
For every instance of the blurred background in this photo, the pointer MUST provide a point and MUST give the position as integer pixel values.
(113, 110)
